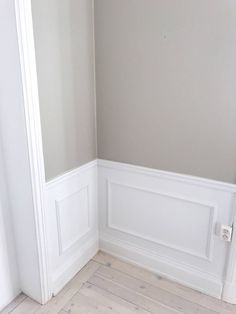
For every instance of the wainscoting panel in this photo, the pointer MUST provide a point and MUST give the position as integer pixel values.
(72, 218)
(169, 214)
(166, 222)
(72, 225)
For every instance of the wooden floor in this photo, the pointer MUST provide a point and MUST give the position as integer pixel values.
(108, 285)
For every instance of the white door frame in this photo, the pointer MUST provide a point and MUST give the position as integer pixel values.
(34, 137)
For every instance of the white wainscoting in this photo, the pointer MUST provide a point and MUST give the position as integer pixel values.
(72, 225)
(166, 222)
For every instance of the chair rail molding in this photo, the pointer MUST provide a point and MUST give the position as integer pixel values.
(34, 138)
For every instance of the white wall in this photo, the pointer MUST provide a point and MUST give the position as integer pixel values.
(9, 283)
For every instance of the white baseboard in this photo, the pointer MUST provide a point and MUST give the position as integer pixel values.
(161, 265)
(166, 222)
(72, 224)
(68, 270)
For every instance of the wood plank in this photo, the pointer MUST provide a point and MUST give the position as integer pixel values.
(120, 287)
(81, 304)
(59, 301)
(104, 259)
(153, 292)
(28, 306)
(159, 281)
(106, 298)
(128, 295)
(20, 298)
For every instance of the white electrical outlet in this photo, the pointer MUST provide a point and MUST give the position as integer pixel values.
(226, 233)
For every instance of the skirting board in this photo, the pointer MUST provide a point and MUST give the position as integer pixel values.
(166, 222)
(161, 265)
(73, 265)
(72, 226)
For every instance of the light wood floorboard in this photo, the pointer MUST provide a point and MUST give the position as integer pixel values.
(108, 285)
(14, 304)
(165, 284)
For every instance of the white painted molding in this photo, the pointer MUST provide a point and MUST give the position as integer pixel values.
(161, 265)
(74, 264)
(229, 291)
(34, 137)
(213, 184)
(131, 231)
(81, 232)
(72, 222)
(212, 215)
(70, 174)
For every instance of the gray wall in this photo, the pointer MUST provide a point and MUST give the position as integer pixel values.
(65, 62)
(166, 84)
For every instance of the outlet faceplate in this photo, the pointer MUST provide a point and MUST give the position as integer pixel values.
(226, 233)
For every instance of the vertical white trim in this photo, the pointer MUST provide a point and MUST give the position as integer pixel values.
(34, 137)
(229, 290)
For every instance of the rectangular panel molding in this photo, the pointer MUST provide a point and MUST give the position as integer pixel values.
(72, 222)
(171, 213)
(166, 222)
